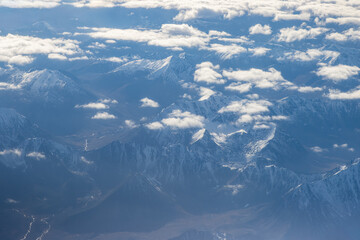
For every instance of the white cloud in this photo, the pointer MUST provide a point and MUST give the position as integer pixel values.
(147, 102)
(103, 115)
(259, 51)
(344, 146)
(311, 55)
(241, 88)
(29, 3)
(172, 36)
(108, 100)
(57, 56)
(179, 119)
(259, 78)
(17, 49)
(260, 29)
(317, 149)
(261, 126)
(296, 34)
(97, 45)
(246, 106)
(116, 59)
(36, 155)
(344, 20)
(93, 105)
(206, 72)
(226, 51)
(154, 125)
(348, 35)
(16, 152)
(308, 89)
(130, 124)
(338, 95)
(337, 73)
(205, 93)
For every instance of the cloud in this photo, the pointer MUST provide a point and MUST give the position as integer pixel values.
(296, 34)
(154, 126)
(348, 35)
(241, 88)
(259, 51)
(261, 126)
(246, 106)
(226, 51)
(308, 89)
(343, 146)
(205, 93)
(337, 73)
(93, 105)
(344, 20)
(338, 95)
(57, 56)
(260, 29)
(311, 55)
(259, 78)
(130, 124)
(317, 149)
(103, 115)
(30, 3)
(36, 155)
(116, 59)
(15, 152)
(147, 102)
(18, 49)
(182, 120)
(206, 72)
(172, 36)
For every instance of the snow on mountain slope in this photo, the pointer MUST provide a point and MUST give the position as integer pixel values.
(47, 85)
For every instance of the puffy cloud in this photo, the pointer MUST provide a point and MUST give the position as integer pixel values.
(36, 155)
(241, 88)
(337, 73)
(339, 11)
(154, 125)
(116, 59)
(348, 35)
(205, 93)
(344, 20)
(14, 152)
(308, 89)
(206, 72)
(338, 95)
(246, 106)
(173, 36)
(317, 149)
(343, 146)
(179, 119)
(57, 56)
(260, 29)
(259, 51)
(103, 115)
(147, 102)
(226, 51)
(29, 3)
(278, 9)
(296, 34)
(130, 124)
(18, 49)
(93, 105)
(259, 78)
(311, 55)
